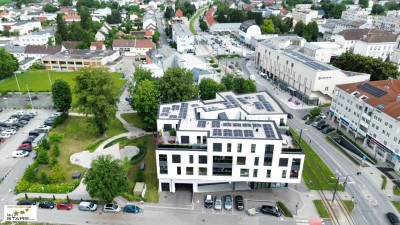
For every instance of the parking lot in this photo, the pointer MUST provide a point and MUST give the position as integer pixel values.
(20, 101)
(11, 144)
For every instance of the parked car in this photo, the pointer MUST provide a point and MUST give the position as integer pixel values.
(27, 142)
(208, 201)
(44, 127)
(25, 148)
(394, 220)
(316, 124)
(47, 205)
(20, 154)
(87, 206)
(131, 209)
(34, 133)
(239, 202)
(65, 205)
(228, 202)
(306, 117)
(218, 203)
(322, 115)
(26, 202)
(3, 135)
(24, 122)
(48, 122)
(270, 210)
(320, 127)
(230, 66)
(327, 130)
(111, 207)
(18, 124)
(128, 99)
(289, 116)
(9, 131)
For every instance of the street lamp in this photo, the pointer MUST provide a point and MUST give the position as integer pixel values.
(301, 132)
(336, 186)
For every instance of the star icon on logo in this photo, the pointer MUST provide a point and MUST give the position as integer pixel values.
(16, 213)
(27, 209)
(22, 212)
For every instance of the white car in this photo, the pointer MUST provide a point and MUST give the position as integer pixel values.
(9, 131)
(322, 116)
(5, 135)
(44, 127)
(110, 207)
(20, 154)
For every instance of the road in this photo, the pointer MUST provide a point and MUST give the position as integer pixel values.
(161, 29)
(364, 190)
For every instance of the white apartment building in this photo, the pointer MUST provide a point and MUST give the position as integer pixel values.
(233, 140)
(23, 27)
(354, 14)
(304, 77)
(368, 42)
(322, 51)
(135, 47)
(304, 15)
(395, 58)
(342, 25)
(183, 38)
(37, 38)
(371, 110)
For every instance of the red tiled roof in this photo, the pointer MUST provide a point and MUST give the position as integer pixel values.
(98, 44)
(135, 43)
(72, 17)
(209, 16)
(120, 33)
(179, 13)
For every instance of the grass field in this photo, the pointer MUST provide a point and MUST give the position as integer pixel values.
(321, 209)
(315, 169)
(134, 119)
(194, 18)
(3, 2)
(38, 80)
(349, 205)
(396, 190)
(396, 205)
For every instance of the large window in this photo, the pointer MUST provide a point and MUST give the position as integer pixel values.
(256, 161)
(189, 170)
(241, 160)
(253, 148)
(176, 158)
(203, 171)
(190, 159)
(283, 161)
(202, 159)
(269, 149)
(239, 148)
(255, 172)
(268, 173)
(244, 172)
(164, 169)
(217, 147)
(268, 161)
(229, 147)
(162, 158)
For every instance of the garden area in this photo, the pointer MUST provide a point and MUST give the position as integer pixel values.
(52, 169)
(135, 120)
(38, 80)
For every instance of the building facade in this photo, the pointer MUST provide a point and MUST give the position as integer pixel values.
(371, 110)
(183, 38)
(135, 47)
(236, 140)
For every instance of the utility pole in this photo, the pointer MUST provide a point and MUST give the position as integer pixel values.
(29, 96)
(334, 192)
(15, 74)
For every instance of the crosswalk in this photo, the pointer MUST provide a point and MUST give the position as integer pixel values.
(300, 221)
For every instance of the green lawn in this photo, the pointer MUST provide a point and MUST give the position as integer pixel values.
(134, 119)
(321, 209)
(3, 2)
(396, 190)
(349, 205)
(396, 205)
(194, 18)
(315, 169)
(38, 80)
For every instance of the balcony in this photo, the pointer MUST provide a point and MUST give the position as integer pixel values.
(292, 151)
(182, 147)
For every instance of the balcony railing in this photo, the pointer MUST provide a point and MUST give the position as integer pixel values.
(292, 151)
(182, 146)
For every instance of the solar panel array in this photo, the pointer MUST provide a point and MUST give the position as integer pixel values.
(248, 133)
(215, 124)
(259, 105)
(265, 103)
(183, 110)
(175, 107)
(307, 61)
(269, 132)
(237, 124)
(237, 133)
(173, 116)
(232, 100)
(217, 132)
(227, 133)
(226, 124)
(201, 123)
(370, 89)
(244, 101)
(246, 125)
(165, 111)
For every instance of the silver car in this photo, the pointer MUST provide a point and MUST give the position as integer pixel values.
(218, 203)
(228, 202)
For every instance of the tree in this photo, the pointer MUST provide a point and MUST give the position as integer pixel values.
(146, 99)
(267, 27)
(378, 69)
(363, 3)
(139, 176)
(156, 37)
(208, 88)
(106, 178)
(8, 64)
(377, 9)
(177, 84)
(50, 8)
(30, 174)
(203, 25)
(299, 28)
(227, 81)
(241, 86)
(86, 18)
(142, 74)
(315, 111)
(392, 5)
(61, 33)
(43, 157)
(312, 31)
(66, 2)
(62, 96)
(96, 94)
(115, 17)
(56, 150)
(57, 174)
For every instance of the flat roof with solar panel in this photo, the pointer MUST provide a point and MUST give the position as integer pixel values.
(372, 90)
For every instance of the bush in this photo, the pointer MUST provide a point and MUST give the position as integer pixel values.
(384, 182)
(30, 174)
(59, 120)
(55, 137)
(284, 210)
(139, 176)
(37, 66)
(43, 179)
(212, 61)
(45, 144)
(25, 186)
(131, 197)
(218, 70)
(141, 154)
(43, 157)
(53, 162)
(215, 65)
(172, 132)
(56, 150)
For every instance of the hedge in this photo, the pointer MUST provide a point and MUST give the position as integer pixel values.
(284, 210)
(59, 120)
(141, 154)
(25, 186)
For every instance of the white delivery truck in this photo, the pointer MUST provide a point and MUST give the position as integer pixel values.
(253, 78)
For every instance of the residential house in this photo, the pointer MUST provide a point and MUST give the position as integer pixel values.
(72, 18)
(37, 38)
(103, 32)
(149, 22)
(306, 16)
(97, 45)
(70, 44)
(135, 47)
(23, 27)
(183, 37)
(146, 34)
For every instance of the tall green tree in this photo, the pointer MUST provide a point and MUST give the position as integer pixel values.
(241, 85)
(61, 33)
(50, 8)
(8, 64)
(227, 81)
(378, 9)
(378, 69)
(142, 74)
(115, 17)
(300, 28)
(146, 99)
(96, 94)
(315, 111)
(177, 84)
(86, 18)
(106, 178)
(267, 27)
(203, 25)
(363, 3)
(62, 96)
(208, 88)
(156, 37)
(66, 2)
(312, 31)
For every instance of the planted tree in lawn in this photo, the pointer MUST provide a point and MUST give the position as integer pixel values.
(96, 94)
(8, 64)
(315, 111)
(146, 99)
(106, 178)
(62, 96)
(177, 84)
(227, 81)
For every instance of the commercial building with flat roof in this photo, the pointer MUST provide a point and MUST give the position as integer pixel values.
(183, 37)
(239, 140)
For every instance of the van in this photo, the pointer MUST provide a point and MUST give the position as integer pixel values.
(87, 206)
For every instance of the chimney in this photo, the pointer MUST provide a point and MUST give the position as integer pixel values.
(398, 98)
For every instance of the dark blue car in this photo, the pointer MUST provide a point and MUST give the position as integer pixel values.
(131, 209)
(128, 99)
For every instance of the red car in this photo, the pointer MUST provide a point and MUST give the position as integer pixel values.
(25, 145)
(64, 205)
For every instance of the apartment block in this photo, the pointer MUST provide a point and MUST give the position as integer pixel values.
(183, 38)
(239, 141)
(371, 110)
(305, 15)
